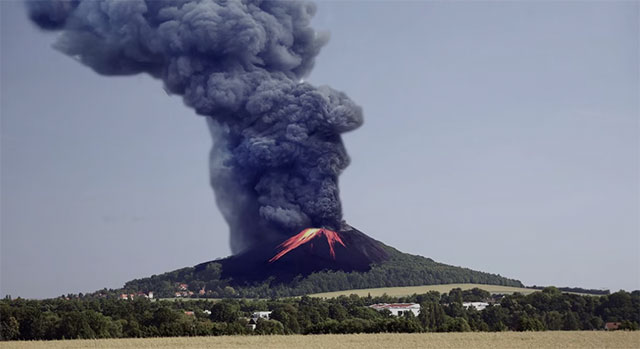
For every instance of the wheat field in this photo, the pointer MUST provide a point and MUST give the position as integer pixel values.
(402, 291)
(480, 340)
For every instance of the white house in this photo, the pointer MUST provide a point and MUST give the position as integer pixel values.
(398, 309)
(261, 315)
(258, 315)
(252, 324)
(477, 305)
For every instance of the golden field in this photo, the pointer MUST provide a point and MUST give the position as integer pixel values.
(409, 290)
(480, 340)
(402, 291)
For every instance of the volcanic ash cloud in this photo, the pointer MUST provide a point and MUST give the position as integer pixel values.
(277, 151)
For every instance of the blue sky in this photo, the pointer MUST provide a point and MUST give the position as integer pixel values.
(499, 136)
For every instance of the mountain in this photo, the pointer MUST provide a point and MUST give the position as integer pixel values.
(316, 260)
(312, 250)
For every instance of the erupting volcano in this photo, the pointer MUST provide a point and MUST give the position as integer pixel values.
(311, 250)
(277, 139)
(277, 147)
(306, 236)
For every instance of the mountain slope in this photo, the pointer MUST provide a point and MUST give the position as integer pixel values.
(361, 262)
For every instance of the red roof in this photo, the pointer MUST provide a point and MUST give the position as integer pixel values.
(611, 325)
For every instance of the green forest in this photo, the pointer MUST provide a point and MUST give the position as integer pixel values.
(108, 317)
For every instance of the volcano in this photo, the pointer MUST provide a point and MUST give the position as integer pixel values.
(312, 250)
(311, 261)
(277, 151)
(307, 236)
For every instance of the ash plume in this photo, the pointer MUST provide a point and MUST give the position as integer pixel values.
(277, 151)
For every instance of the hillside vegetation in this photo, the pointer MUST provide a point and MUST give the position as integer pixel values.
(400, 269)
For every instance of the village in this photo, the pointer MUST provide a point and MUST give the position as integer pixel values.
(392, 309)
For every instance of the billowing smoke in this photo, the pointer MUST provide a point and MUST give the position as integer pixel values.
(277, 150)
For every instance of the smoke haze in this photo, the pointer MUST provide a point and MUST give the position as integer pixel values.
(277, 150)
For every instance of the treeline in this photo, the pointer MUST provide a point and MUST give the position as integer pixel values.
(576, 290)
(401, 270)
(111, 318)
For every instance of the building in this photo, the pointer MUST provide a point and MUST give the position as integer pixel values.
(184, 294)
(261, 315)
(139, 294)
(611, 326)
(477, 305)
(256, 316)
(252, 324)
(398, 309)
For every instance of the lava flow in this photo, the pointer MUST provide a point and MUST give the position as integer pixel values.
(305, 236)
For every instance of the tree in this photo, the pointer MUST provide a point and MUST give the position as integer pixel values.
(628, 325)
(457, 324)
(527, 323)
(164, 315)
(131, 328)
(456, 310)
(552, 291)
(9, 328)
(431, 296)
(455, 295)
(355, 326)
(553, 320)
(495, 317)
(101, 325)
(475, 295)
(287, 315)
(594, 323)
(269, 327)
(74, 325)
(570, 322)
(432, 316)
(337, 312)
(224, 312)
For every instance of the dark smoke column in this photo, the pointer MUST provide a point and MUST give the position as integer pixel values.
(277, 150)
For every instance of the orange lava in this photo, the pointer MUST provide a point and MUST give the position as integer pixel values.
(305, 236)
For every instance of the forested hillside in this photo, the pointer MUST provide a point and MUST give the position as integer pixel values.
(400, 269)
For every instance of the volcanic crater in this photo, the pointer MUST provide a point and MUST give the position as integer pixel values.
(312, 250)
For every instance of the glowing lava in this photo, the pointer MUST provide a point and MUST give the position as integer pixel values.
(305, 236)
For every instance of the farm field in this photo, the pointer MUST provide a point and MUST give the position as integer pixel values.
(404, 291)
(481, 340)
(409, 290)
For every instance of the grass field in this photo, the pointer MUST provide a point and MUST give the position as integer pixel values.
(409, 290)
(405, 291)
(480, 340)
